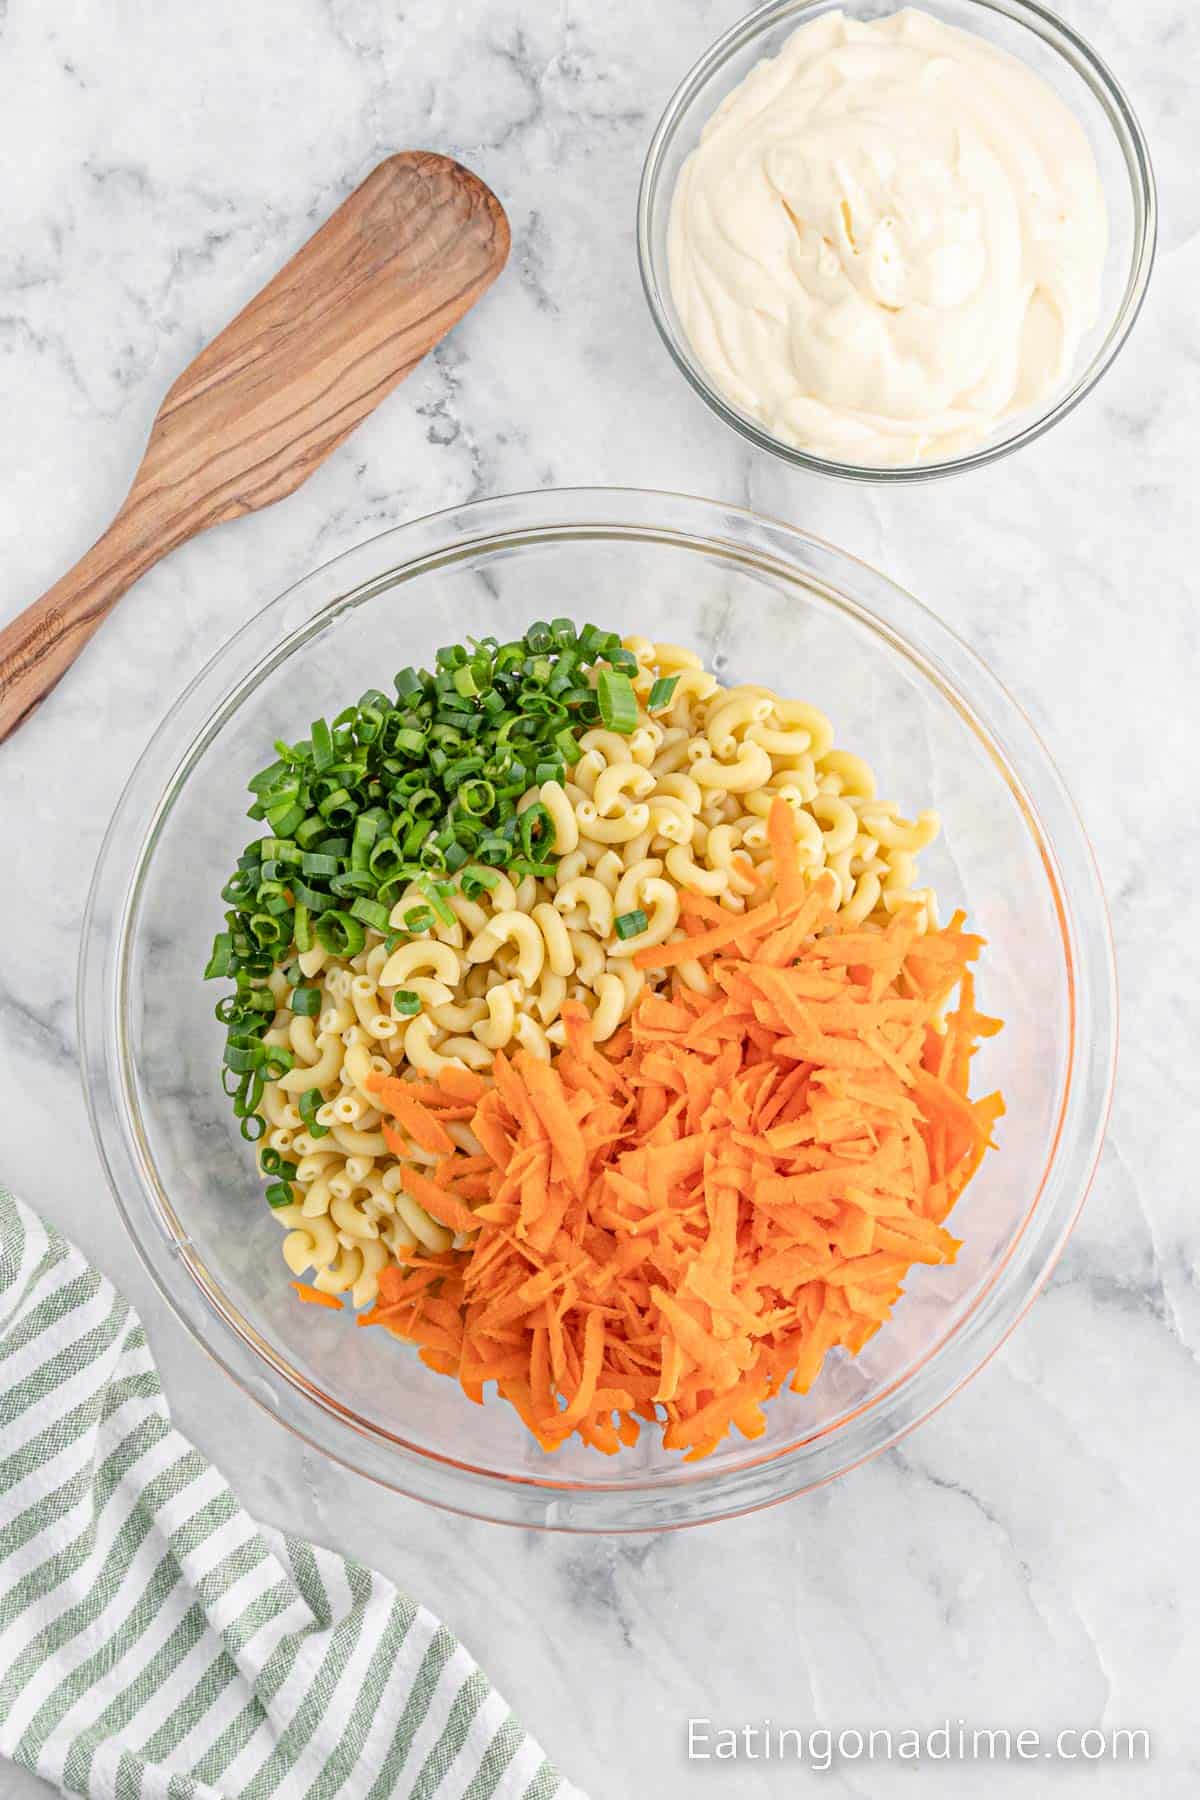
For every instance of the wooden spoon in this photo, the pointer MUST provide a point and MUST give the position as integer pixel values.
(263, 405)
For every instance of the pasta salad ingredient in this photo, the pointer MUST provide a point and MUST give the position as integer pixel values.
(647, 826)
(669, 1228)
(890, 238)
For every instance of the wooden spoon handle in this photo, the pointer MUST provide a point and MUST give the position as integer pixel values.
(40, 644)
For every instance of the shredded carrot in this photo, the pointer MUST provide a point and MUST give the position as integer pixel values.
(439, 1202)
(673, 1225)
(419, 1120)
(314, 1297)
(745, 868)
(783, 838)
(463, 1084)
(742, 926)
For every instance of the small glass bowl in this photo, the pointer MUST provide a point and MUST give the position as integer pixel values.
(763, 603)
(1035, 37)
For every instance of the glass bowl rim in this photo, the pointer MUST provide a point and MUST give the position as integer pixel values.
(682, 521)
(1114, 103)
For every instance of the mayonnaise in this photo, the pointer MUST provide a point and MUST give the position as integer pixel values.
(889, 238)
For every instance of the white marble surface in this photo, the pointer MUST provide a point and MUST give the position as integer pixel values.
(1031, 1556)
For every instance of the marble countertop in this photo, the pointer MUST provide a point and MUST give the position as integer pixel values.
(1032, 1554)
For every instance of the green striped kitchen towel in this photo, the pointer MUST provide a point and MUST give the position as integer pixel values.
(157, 1644)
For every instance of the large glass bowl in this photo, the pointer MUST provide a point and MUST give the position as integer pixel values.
(1035, 37)
(764, 603)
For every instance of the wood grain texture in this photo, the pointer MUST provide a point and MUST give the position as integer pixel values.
(266, 401)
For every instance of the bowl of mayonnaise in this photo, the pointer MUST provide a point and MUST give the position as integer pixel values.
(889, 244)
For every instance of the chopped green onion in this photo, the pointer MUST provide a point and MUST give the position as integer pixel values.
(409, 741)
(264, 781)
(618, 702)
(366, 830)
(340, 934)
(285, 819)
(437, 900)
(406, 1002)
(280, 1194)
(620, 658)
(306, 1002)
(474, 878)
(662, 692)
(322, 744)
(631, 923)
(477, 797)
(351, 882)
(314, 900)
(371, 913)
(271, 1163)
(221, 961)
(309, 1101)
(537, 828)
(316, 863)
(249, 1094)
(337, 806)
